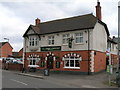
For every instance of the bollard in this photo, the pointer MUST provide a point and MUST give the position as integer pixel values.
(46, 72)
(118, 78)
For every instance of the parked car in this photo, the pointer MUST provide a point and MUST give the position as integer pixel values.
(19, 60)
(14, 60)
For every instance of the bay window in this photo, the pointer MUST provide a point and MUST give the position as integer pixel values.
(33, 41)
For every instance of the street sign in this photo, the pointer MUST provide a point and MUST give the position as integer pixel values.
(109, 69)
(52, 48)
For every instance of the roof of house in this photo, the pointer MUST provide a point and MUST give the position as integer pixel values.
(15, 53)
(87, 21)
(3, 43)
(21, 50)
(112, 40)
(116, 39)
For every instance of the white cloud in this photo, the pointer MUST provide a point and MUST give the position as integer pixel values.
(17, 15)
(11, 26)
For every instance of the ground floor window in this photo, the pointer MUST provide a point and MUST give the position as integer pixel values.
(72, 62)
(33, 60)
(42, 64)
(57, 64)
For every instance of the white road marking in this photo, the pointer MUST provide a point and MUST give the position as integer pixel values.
(18, 81)
(88, 86)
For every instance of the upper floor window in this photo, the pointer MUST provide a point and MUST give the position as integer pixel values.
(33, 41)
(51, 40)
(65, 38)
(79, 37)
(113, 47)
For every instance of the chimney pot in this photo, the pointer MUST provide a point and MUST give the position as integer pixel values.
(37, 21)
(98, 11)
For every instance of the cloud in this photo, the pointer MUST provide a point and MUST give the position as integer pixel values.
(11, 26)
(17, 15)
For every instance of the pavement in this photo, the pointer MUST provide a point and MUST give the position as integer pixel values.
(85, 81)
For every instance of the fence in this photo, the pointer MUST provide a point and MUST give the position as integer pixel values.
(12, 66)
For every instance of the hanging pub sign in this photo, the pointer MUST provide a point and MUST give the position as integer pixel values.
(52, 48)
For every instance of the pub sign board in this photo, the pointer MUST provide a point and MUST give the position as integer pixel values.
(52, 48)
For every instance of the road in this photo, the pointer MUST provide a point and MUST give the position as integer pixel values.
(13, 80)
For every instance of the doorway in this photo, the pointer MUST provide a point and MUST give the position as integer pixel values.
(50, 62)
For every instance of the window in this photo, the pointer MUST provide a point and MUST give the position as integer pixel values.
(71, 62)
(33, 60)
(79, 37)
(33, 41)
(51, 40)
(65, 38)
(42, 64)
(57, 64)
(113, 47)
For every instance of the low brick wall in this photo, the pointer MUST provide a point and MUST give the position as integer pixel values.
(11, 66)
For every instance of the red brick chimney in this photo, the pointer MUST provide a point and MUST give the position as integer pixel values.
(98, 11)
(37, 21)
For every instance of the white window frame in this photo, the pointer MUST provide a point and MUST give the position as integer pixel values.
(69, 59)
(79, 37)
(32, 59)
(65, 38)
(51, 40)
(33, 41)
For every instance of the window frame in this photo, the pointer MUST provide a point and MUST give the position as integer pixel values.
(33, 41)
(69, 59)
(32, 59)
(51, 40)
(80, 37)
(65, 38)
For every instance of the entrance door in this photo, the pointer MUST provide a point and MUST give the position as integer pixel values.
(50, 62)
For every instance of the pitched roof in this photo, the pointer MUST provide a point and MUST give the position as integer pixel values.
(3, 43)
(87, 21)
(112, 40)
(15, 53)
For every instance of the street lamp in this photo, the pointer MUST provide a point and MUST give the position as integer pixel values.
(6, 39)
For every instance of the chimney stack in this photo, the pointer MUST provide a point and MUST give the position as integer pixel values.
(98, 11)
(37, 21)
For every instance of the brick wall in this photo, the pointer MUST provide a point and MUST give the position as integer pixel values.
(11, 66)
(83, 63)
(99, 60)
(6, 50)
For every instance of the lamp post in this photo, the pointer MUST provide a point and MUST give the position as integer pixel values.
(6, 39)
(118, 63)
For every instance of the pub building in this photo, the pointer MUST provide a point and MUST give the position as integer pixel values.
(74, 44)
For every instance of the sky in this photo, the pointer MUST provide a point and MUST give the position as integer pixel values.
(17, 15)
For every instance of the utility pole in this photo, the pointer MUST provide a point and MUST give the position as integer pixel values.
(118, 63)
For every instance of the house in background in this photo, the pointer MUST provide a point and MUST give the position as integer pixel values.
(5, 49)
(112, 48)
(18, 54)
(75, 44)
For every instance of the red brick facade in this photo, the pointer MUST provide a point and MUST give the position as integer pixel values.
(21, 52)
(6, 50)
(99, 63)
